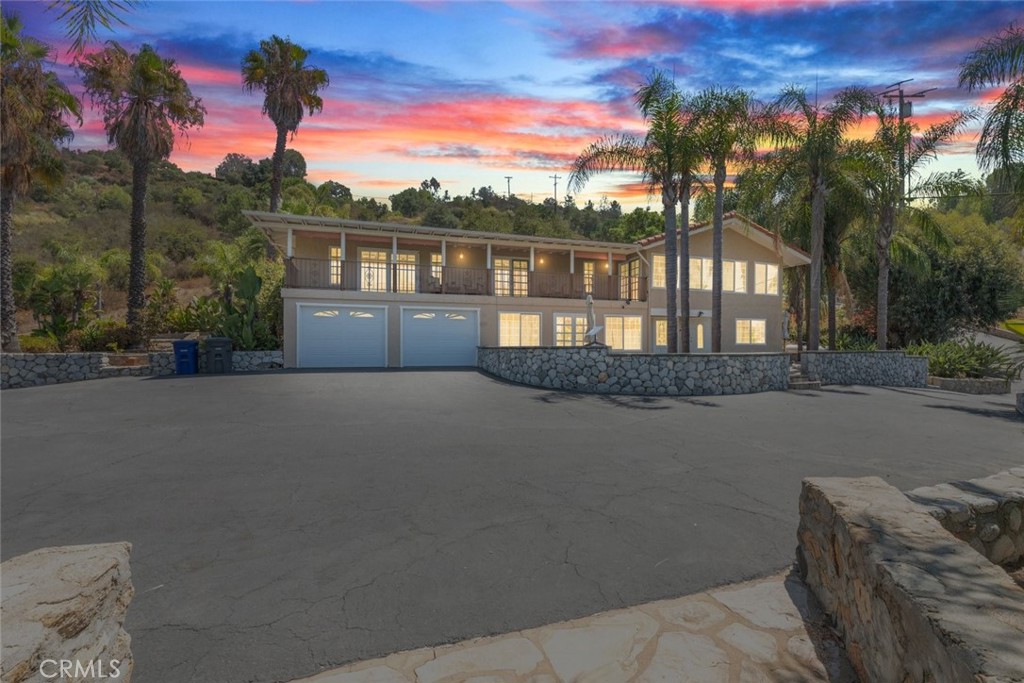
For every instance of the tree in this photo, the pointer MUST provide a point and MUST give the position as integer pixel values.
(877, 172)
(236, 169)
(996, 61)
(81, 16)
(36, 109)
(290, 88)
(729, 125)
(145, 103)
(814, 139)
(667, 157)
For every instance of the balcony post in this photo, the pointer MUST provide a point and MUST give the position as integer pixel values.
(288, 248)
(531, 258)
(444, 253)
(342, 245)
(394, 263)
(488, 256)
(572, 262)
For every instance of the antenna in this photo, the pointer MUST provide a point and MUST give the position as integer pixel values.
(556, 177)
(508, 181)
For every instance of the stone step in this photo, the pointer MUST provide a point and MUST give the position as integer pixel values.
(804, 385)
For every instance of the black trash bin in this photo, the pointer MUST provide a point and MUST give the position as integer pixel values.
(218, 355)
(186, 356)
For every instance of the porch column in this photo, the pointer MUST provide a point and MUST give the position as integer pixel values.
(610, 263)
(488, 256)
(531, 259)
(342, 245)
(288, 248)
(572, 262)
(444, 253)
(394, 263)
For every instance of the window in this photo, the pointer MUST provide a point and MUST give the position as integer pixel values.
(700, 335)
(766, 278)
(375, 271)
(661, 333)
(622, 332)
(511, 277)
(588, 277)
(436, 270)
(657, 270)
(734, 276)
(519, 329)
(750, 331)
(334, 271)
(570, 329)
(629, 280)
(700, 273)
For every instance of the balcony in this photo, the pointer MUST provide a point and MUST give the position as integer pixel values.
(408, 278)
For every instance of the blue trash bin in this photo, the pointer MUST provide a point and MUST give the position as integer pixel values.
(186, 357)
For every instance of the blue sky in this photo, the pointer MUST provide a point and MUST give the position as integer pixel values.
(471, 92)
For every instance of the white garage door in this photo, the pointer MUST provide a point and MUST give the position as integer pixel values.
(439, 337)
(342, 336)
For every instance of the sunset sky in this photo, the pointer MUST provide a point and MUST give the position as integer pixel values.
(471, 92)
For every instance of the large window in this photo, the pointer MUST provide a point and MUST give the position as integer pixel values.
(511, 277)
(661, 333)
(750, 331)
(519, 329)
(570, 329)
(623, 332)
(375, 271)
(734, 274)
(766, 278)
(629, 280)
(658, 270)
(700, 273)
(335, 265)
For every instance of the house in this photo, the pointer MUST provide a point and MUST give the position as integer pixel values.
(366, 294)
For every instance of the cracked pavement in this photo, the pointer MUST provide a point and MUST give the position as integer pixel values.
(286, 523)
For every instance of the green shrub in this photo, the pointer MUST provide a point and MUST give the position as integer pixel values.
(101, 335)
(965, 359)
(855, 339)
(38, 343)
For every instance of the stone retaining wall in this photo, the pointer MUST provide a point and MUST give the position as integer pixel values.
(871, 368)
(596, 370)
(35, 369)
(67, 605)
(970, 385)
(986, 513)
(911, 601)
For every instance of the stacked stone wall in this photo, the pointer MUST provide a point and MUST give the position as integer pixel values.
(35, 369)
(596, 370)
(870, 368)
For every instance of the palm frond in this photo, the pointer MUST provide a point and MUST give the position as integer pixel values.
(997, 60)
(613, 153)
(81, 18)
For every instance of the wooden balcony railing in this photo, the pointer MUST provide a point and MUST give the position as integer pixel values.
(410, 278)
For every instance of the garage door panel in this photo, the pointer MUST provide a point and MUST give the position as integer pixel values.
(342, 337)
(439, 337)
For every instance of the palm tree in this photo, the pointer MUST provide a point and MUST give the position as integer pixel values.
(815, 138)
(36, 108)
(279, 69)
(667, 158)
(878, 175)
(729, 123)
(145, 102)
(996, 61)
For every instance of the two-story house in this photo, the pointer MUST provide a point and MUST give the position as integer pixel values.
(365, 294)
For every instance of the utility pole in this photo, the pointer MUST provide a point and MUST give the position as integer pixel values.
(556, 177)
(906, 111)
(508, 181)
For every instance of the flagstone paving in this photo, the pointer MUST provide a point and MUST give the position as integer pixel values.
(764, 631)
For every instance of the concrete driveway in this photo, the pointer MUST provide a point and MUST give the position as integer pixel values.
(285, 523)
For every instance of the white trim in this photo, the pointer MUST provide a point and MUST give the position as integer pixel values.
(401, 320)
(540, 331)
(330, 304)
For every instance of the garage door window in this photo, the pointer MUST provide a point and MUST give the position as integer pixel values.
(519, 329)
(622, 332)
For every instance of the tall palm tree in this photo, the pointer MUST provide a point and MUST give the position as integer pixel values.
(667, 158)
(729, 122)
(145, 103)
(813, 135)
(996, 61)
(290, 88)
(36, 109)
(878, 175)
